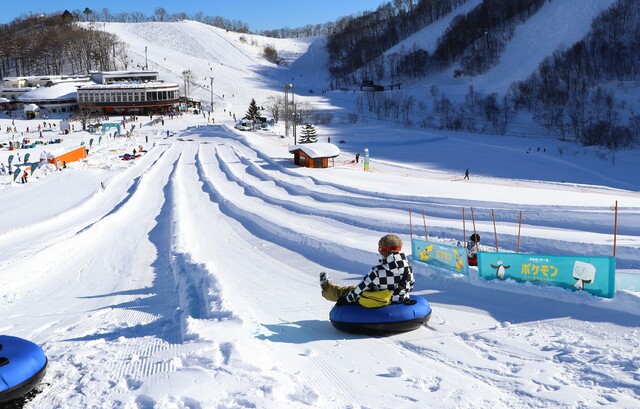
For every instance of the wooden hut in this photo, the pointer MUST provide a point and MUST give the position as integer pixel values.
(314, 155)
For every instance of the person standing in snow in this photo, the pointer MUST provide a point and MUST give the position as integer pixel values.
(24, 176)
(473, 244)
(394, 273)
(466, 174)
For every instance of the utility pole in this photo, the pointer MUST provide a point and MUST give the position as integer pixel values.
(287, 111)
(295, 113)
(185, 91)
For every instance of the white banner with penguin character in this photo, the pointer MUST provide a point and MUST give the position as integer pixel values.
(441, 255)
(595, 275)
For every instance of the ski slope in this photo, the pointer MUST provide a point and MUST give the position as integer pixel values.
(188, 278)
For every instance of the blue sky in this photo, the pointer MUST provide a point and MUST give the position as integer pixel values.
(259, 15)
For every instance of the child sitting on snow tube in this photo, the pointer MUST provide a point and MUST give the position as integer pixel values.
(393, 275)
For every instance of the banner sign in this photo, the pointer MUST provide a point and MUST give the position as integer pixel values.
(366, 159)
(441, 255)
(595, 275)
(628, 280)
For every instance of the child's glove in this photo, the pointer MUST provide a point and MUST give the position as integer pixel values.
(342, 301)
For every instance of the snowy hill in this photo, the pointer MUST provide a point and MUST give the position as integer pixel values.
(555, 26)
(534, 40)
(234, 60)
(188, 278)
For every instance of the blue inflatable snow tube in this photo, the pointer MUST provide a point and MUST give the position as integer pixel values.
(22, 367)
(390, 319)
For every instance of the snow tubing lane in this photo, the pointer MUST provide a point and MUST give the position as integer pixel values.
(22, 367)
(390, 319)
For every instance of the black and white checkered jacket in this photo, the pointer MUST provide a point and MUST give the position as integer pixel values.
(393, 273)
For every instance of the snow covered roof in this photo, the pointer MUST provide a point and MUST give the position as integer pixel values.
(66, 90)
(317, 150)
(4, 100)
(31, 107)
(129, 72)
(130, 85)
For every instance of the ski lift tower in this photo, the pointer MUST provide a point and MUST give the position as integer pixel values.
(287, 111)
(211, 108)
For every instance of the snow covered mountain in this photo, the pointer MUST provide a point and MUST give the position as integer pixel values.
(188, 278)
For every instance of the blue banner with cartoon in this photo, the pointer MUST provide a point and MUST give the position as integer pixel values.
(441, 255)
(595, 275)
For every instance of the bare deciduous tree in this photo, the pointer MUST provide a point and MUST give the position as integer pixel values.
(275, 104)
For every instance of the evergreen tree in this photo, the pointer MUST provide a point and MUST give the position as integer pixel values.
(252, 113)
(308, 134)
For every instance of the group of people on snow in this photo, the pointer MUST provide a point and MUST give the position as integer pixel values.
(393, 273)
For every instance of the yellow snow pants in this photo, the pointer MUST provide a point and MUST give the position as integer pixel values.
(332, 291)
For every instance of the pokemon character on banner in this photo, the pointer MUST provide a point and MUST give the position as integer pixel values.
(452, 258)
(595, 275)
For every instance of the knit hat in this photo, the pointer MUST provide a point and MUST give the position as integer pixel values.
(389, 243)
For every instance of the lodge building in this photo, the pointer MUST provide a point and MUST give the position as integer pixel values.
(124, 92)
(105, 92)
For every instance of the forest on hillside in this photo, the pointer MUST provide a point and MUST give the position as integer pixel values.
(54, 45)
(572, 94)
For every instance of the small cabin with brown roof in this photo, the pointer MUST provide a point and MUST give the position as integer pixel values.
(314, 155)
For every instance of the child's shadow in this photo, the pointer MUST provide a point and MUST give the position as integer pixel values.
(301, 332)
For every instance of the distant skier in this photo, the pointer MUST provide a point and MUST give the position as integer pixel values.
(466, 174)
